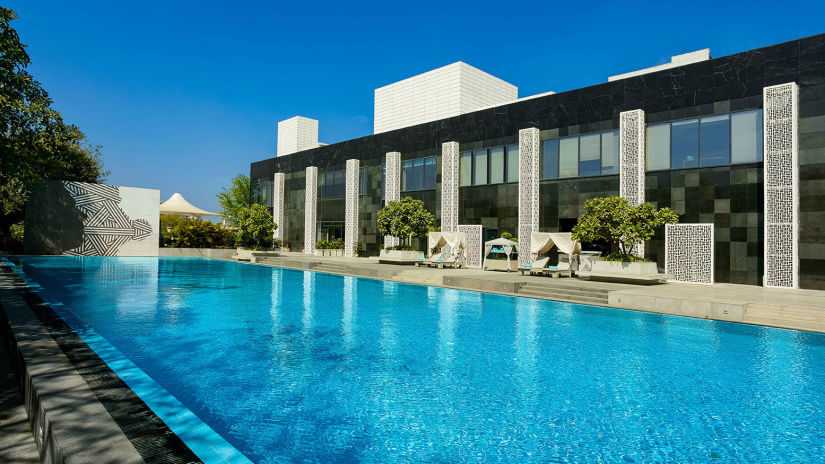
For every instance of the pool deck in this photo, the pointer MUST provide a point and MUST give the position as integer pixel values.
(789, 309)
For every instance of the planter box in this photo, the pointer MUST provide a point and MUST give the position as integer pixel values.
(253, 255)
(399, 256)
(616, 271)
(332, 252)
(625, 268)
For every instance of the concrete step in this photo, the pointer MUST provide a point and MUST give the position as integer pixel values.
(786, 323)
(796, 315)
(571, 285)
(579, 291)
(565, 298)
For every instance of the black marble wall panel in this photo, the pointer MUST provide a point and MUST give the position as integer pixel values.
(730, 197)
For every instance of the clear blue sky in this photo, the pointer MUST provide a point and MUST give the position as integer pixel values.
(182, 95)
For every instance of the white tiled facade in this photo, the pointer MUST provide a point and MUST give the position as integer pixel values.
(296, 134)
(451, 90)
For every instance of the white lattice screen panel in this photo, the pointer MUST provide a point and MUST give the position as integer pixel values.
(689, 254)
(474, 246)
(278, 205)
(449, 186)
(392, 191)
(632, 161)
(351, 224)
(781, 184)
(310, 209)
(528, 189)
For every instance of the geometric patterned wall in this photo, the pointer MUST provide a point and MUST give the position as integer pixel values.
(781, 184)
(528, 190)
(689, 253)
(449, 186)
(392, 191)
(278, 205)
(632, 161)
(310, 209)
(351, 208)
(473, 246)
(81, 219)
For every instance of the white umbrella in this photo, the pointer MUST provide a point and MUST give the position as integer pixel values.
(178, 206)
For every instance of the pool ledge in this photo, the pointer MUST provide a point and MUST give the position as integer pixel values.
(69, 423)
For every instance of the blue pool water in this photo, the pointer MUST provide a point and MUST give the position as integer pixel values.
(294, 366)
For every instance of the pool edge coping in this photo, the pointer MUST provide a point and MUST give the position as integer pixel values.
(186, 420)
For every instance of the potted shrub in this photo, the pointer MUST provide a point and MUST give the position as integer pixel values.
(406, 219)
(329, 248)
(254, 237)
(623, 226)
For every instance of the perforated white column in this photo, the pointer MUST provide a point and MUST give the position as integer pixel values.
(392, 189)
(632, 161)
(473, 245)
(310, 209)
(528, 190)
(351, 209)
(689, 253)
(278, 205)
(781, 184)
(449, 186)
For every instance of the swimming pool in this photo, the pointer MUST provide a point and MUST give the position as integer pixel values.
(300, 366)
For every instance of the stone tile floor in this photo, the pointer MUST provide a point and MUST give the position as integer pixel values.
(16, 439)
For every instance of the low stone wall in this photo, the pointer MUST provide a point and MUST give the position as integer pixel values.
(219, 253)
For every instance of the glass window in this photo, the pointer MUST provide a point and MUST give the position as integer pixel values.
(569, 157)
(610, 152)
(466, 174)
(589, 155)
(429, 172)
(479, 167)
(684, 144)
(746, 136)
(406, 175)
(363, 183)
(497, 165)
(418, 174)
(657, 145)
(383, 180)
(512, 163)
(715, 140)
(550, 162)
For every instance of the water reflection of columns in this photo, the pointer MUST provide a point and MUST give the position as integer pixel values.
(526, 341)
(447, 318)
(275, 295)
(350, 312)
(309, 283)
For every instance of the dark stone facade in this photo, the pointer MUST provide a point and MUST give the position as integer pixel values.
(728, 196)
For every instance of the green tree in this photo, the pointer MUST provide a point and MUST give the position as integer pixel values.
(255, 228)
(197, 233)
(233, 199)
(614, 220)
(35, 143)
(405, 219)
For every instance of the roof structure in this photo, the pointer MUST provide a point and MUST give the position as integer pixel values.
(178, 206)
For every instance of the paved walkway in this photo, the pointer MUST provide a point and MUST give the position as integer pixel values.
(16, 439)
(794, 309)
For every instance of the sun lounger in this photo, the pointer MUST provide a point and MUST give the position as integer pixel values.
(563, 269)
(429, 261)
(536, 267)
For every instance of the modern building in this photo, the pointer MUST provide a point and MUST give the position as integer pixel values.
(736, 142)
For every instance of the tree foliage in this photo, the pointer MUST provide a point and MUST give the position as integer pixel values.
(233, 199)
(35, 143)
(255, 228)
(614, 220)
(196, 233)
(405, 219)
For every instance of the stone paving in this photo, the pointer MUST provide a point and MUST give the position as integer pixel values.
(793, 309)
(16, 439)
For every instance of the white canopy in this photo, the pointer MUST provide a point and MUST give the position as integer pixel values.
(507, 245)
(541, 242)
(178, 206)
(454, 240)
